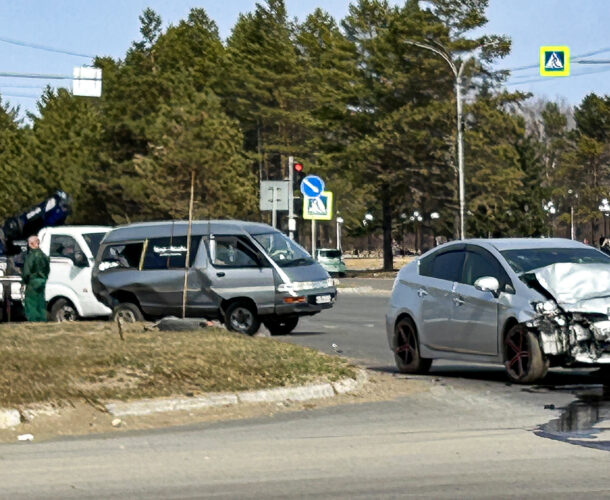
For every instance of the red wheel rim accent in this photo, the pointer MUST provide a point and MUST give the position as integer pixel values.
(406, 346)
(517, 354)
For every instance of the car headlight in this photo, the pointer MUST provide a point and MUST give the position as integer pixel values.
(297, 286)
(547, 307)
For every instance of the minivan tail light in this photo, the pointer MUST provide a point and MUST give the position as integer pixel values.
(294, 300)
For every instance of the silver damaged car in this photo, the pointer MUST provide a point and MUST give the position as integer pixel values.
(526, 303)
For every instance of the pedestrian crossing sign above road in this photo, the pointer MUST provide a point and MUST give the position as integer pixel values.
(554, 60)
(319, 208)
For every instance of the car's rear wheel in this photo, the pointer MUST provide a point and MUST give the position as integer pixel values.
(281, 326)
(406, 348)
(242, 318)
(63, 310)
(127, 313)
(523, 358)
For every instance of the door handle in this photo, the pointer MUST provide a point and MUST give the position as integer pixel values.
(458, 301)
(220, 274)
(421, 292)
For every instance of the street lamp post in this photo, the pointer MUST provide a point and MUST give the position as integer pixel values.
(339, 223)
(457, 73)
(549, 207)
(573, 196)
(367, 219)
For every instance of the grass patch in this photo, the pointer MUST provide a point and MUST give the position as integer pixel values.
(59, 363)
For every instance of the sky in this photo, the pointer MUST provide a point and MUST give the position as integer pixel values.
(108, 27)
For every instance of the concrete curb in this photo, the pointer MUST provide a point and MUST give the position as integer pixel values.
(364, 290)
(278, 394)
(10, 417)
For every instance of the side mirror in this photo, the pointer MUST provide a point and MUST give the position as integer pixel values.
(487, 284)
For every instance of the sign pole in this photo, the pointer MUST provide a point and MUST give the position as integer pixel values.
(313, 238)
(274, 210)
(290, 197)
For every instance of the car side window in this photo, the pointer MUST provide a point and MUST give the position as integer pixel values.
(234, 251)
(479, 264)
(169, 252)
(65, 246)
(122, 256)
(447, 265)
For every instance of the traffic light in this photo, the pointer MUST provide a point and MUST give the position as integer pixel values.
(297, 175)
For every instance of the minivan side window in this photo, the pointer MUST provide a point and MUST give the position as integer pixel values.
(63, 245)
(447, 266)
(123, 256)
(234, 251)
(169, 252)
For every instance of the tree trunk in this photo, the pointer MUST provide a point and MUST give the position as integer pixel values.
(388, 262)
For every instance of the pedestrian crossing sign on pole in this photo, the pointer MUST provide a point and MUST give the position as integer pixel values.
(319, 208)
(554, 60)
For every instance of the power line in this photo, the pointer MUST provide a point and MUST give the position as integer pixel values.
(547, 79)
(35, 75)
(23, 96)
(573, 58)
(44, 47)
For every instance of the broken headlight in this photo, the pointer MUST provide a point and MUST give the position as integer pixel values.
(548, 307)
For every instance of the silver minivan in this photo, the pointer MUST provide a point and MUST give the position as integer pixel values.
(242, 273)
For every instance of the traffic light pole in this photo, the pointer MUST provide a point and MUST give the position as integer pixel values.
(291, 197)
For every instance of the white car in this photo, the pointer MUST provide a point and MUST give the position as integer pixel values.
(72, 250)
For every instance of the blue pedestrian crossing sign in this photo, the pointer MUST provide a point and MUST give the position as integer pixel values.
(318, 208)
(554, 60)
(312, 186)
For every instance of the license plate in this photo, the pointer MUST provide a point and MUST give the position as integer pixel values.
(323, 299)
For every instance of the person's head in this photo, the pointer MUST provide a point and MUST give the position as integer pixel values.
(33, 242)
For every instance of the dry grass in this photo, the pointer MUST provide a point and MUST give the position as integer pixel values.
(60, 363)
(373, 263)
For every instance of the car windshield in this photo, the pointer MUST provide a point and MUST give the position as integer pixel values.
(94, 240)
(330, 254)
(526, 259)
(283, 250)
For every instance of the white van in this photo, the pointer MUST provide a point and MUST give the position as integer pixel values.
(72, 250)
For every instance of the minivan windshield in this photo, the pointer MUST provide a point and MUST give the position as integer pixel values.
(526, 259)
(283, 250)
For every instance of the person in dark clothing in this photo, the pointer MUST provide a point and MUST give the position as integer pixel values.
(34, 276)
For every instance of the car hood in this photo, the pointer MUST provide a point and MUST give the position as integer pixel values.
(309, 272)
(577, 287)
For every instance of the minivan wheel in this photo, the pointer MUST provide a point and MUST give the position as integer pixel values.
(523, 358)
(63, 310)
(127, 313)
(241, 318)
(406, 348)
(278, 325)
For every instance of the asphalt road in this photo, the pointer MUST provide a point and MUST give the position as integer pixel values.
(470, 435)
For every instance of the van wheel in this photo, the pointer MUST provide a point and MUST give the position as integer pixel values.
(241, 318)
(406, 348)
(281, 326)
(63, 310)
(127, 313)
(523, 359)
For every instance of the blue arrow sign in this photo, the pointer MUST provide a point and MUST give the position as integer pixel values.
(312, 186)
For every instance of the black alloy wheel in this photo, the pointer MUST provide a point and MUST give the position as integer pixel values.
(523, 358)
(406, 348)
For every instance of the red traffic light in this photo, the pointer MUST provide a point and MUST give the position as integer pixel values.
(298, 167)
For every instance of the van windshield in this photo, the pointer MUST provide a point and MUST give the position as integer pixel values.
(330, 254)
(283, 250)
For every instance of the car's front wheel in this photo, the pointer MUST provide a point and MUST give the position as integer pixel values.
(406, 348)
(523, 358)
(281, 326)
(242, 318)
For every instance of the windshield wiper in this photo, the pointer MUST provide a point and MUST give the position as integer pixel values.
(295, 262)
